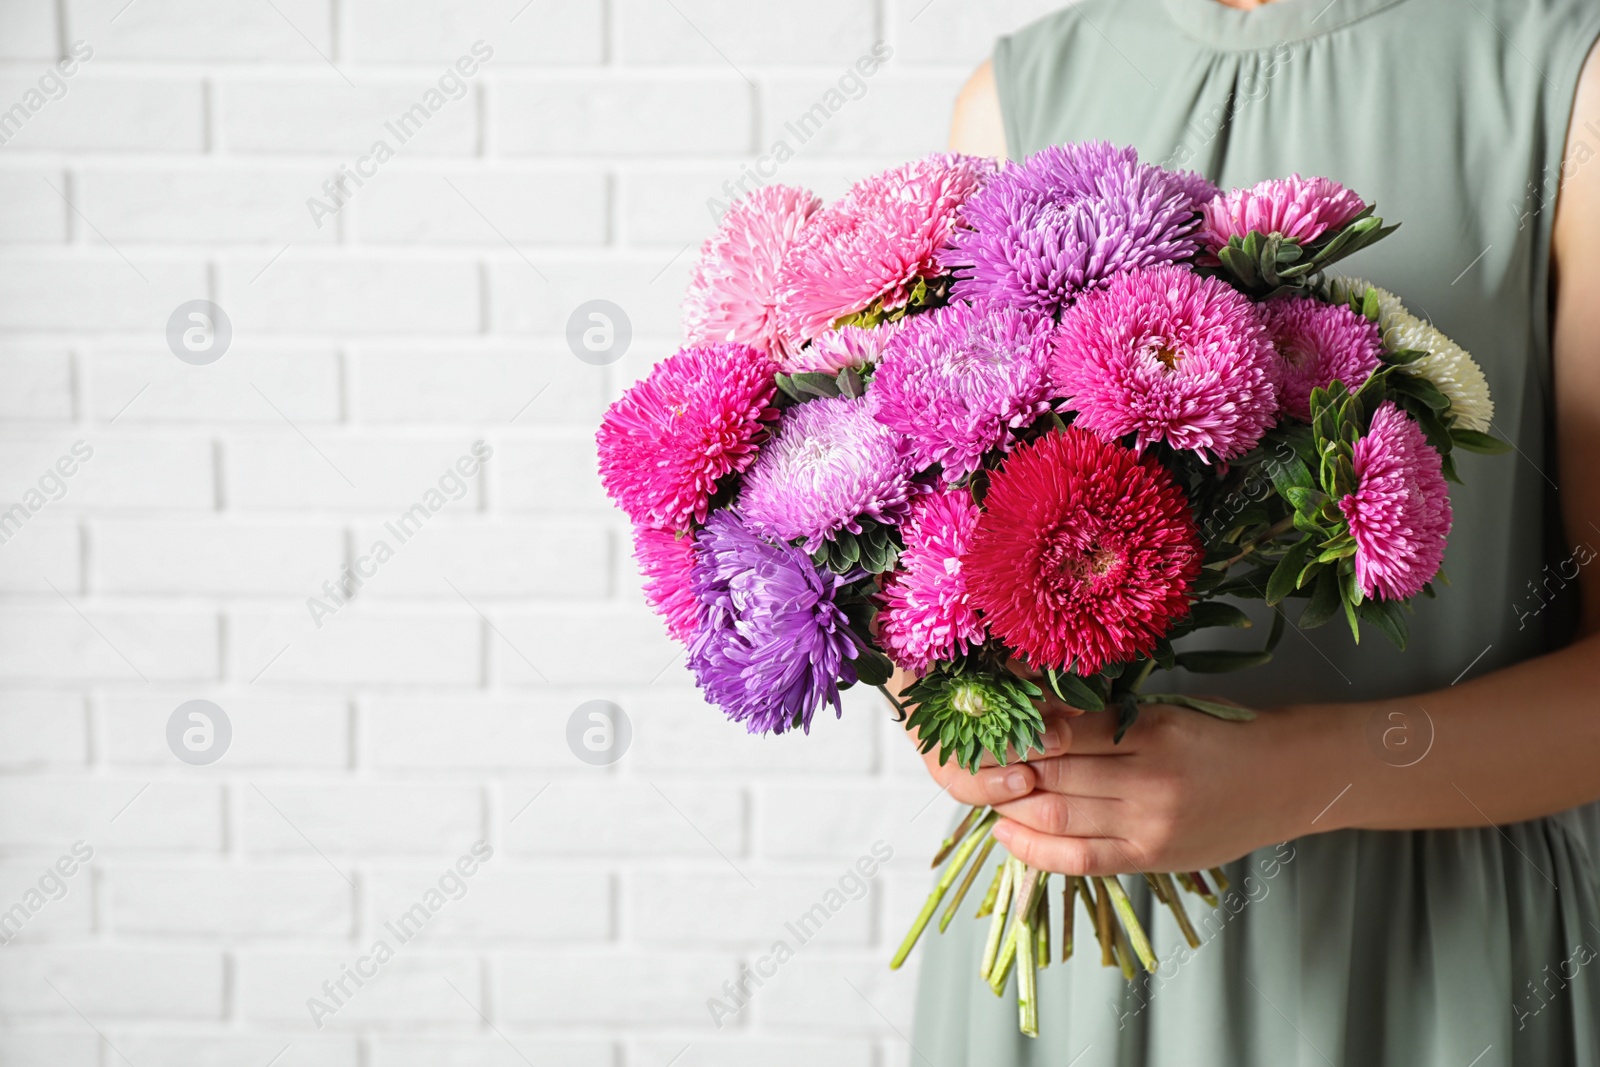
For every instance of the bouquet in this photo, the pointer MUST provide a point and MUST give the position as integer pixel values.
(1021, 427)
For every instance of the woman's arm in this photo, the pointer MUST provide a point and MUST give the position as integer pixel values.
(1184, 791)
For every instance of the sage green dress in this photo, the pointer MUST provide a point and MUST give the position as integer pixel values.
(1460, 948)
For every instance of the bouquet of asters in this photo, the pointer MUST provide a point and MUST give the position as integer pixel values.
(1021, 427)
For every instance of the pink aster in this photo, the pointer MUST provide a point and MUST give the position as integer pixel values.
(1168, 355)
(1302, 209)
(666, 559)
(848, 346)
(926, 613)
(875, 241)
(1399, 513)
(695, 418)
(830, 465)
(733, 292)
(1318, 344)
(958, 380)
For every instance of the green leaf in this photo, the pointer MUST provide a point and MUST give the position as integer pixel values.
(1474, 441)
(1389, 617)
(1218, 613)
(1286, 574)
(1325, 600)
(872, 667)
(1422, 389)
(1280, 623)
(1350, 599)
(1230, 712)
(1291, 474)
(850, 383)
(1222, 661)
(1074, 691)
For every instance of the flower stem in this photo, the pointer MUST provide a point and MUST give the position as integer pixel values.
(941, 887)
(1041, 924)
(966, 883)
(1025, 892)
(1131, 923)
(1221, 879)
(1170, 894)
(1002, 907)
(987, 907)
(956, 836)
(1069, 911)
(1027, 978)
(1102, 914)
(1282, 526)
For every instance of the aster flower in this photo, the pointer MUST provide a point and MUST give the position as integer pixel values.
(1444, 363)
(967, 709)
(1317, 344)
(1069, 218)
(1301, 209)
(696, 417)
(1399, 513)
(1084, 554)
(875, 242)
(733, 292)
(1168, 355)
(665, 558)
(957, 380)
(848, 346)
(773, 645)
(926, 614)
(830, 464)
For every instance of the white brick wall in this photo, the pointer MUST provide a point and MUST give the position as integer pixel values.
(369, 353)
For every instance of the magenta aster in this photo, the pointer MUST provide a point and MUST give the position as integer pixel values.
(1068, 218)
(1302, 209)
(848, 346)
(1318, 344)
(666, 558)
(957, 380)
(1166, 354)
(733, 292)
(926, 613)
(1399, 513)
(696, 417)
(1084, 554)
(830, 464)
(875, 241)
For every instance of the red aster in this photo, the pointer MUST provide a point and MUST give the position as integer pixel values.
(1084, 554)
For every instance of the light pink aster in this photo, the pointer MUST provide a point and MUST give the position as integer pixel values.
(848, 346)
(926, 614)
(695, 418)
(1399, 513)
(830, 464)
(666, 559)
(875, 241)
(956, 381)
(1318, 344)
(1299, 208)
(733, 292)
(1168, 355)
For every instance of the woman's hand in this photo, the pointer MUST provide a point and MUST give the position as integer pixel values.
(1183, 791)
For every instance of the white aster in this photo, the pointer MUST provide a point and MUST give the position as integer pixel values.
(1446, 364)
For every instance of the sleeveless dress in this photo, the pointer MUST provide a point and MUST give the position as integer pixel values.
(1459, 948)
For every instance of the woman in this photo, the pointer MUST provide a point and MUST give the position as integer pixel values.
(1435, 899)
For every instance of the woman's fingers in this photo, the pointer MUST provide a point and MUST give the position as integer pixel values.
(1068, 855)
(1087, 776)
(1069, 816)
(987, 788)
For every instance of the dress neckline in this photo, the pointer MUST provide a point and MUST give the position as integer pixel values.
(1280, 22)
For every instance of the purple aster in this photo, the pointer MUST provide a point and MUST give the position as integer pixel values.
(1068, 219)
(773, 645)
(956, 381)
(831, 464)
(848, 346)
